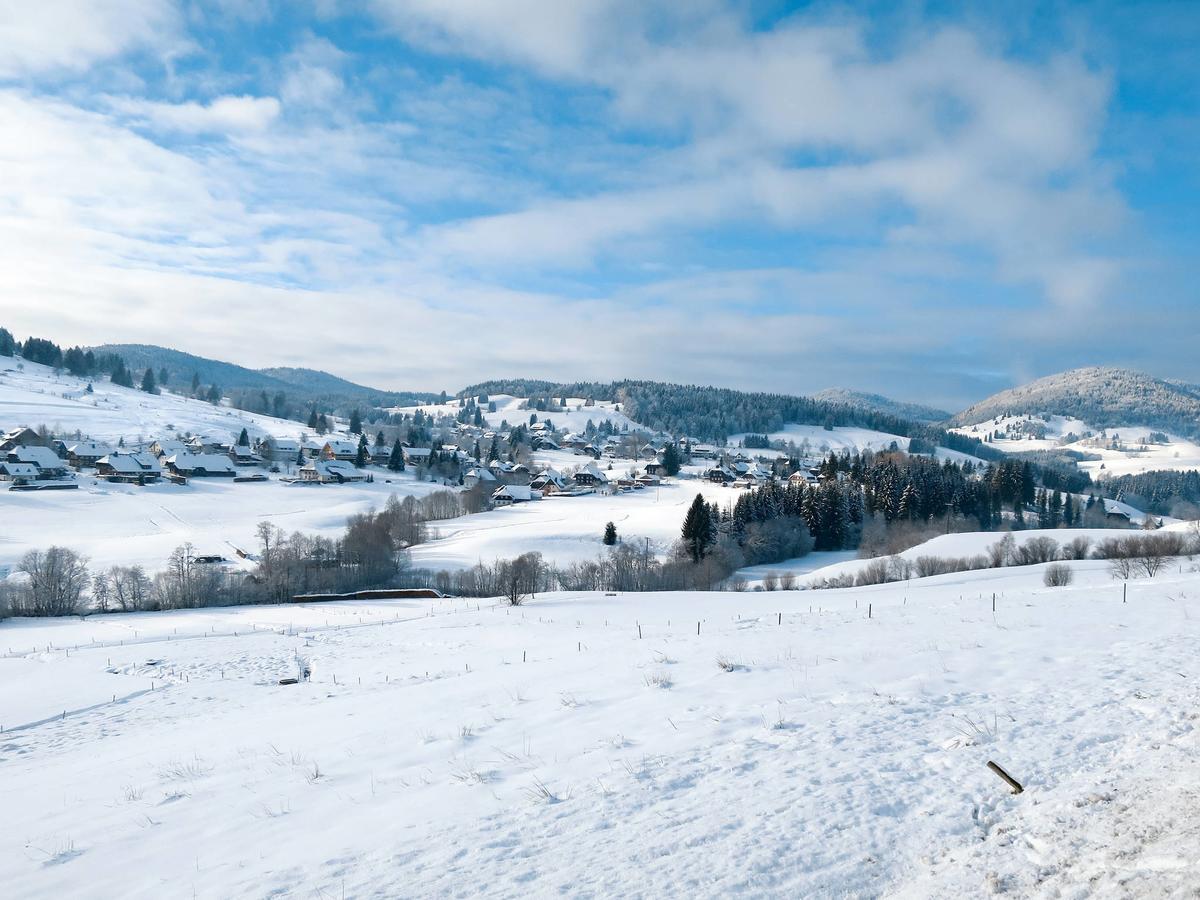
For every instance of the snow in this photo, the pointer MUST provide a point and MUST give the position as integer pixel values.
(573, 418)
(842, 754)
(565, 529)
(821, 440)
(118, 524)
(1134, 455)
(34, 395)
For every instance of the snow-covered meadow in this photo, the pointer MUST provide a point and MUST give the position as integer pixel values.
(816, 743)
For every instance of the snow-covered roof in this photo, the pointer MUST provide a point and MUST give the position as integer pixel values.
(42, 457)
(88, 448)
(19, 469)
(132, 463)
(517, 492)
(209, 462)
(480, 473)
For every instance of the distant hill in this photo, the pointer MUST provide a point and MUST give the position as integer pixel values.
(302, 386)
(712, 413)
(1102, 397)
(916, 412)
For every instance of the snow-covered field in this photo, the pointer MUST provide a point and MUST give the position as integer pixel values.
(116, 524)
(1134, 455)
(444, 750)
(509, 409)
(33, 395)
(566, 529)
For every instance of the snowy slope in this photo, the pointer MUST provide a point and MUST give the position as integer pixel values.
(442, 751)
(574, 417)
(1124, 450)
(33, 395)
(116, 524)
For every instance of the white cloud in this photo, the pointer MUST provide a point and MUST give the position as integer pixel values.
(49, 35)
(223, 115)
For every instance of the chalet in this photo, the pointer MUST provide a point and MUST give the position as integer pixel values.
(48, 464)
(332, 471)
(341, 449)
(380, 454)
(649, 480)
(417, 456)
(18, 472)
(279, 449)
(626, 484)
(515, 493)
(133, 468)
(648, 451)
(244, 456)
(656, 468)
(478, 475)
(20, 437)
(549, 482)
(803, 476)
(544, 443)
(168, 448)
(201, 465)
(590, 476)
(85, 453)
(719, 475)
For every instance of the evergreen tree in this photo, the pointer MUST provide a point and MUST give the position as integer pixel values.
(355, 423)
(148, 384)
(312, 419)
(7, 345)
(322, 424)
(698, 529)
(671, 460)
(396, 459)
(244, 439)
(361, 457)
(163, 376)
(195, 383)
(610, 534)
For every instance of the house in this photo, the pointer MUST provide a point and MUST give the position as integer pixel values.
(244, 456)
(543, 443)
(803, 476)
(417, 456)
(332, 471)
(656, 468)
(590, 476)
(478, 475)
(515, 493)
(201, 465)
(550, 481)
(18, 472)
(86, 453)
(132, 468)
(168, 447)
(47, 461)
(649, 480)
(719, 475)
(279, 449)
(20, 437)
(340, 448)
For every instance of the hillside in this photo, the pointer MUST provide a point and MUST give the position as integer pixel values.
(301, 385)
(1101, 397)
(917, 412)
(814, 744)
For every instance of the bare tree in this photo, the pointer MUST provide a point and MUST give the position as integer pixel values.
(58, 578)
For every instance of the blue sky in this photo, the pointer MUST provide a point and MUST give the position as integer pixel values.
(932, 201)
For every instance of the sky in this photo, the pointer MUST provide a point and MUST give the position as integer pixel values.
(930, 201)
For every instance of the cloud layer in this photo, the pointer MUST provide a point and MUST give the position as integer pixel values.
(421, 194)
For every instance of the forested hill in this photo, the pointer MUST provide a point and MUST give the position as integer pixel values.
(711, 413)
(917, 412)
(302, 386)
(1100, 396)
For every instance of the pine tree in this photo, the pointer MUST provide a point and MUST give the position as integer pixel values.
(396, 459)
(671, 460)
(361, 457)
(312, 419)
(195, 383)
(244, 439)
(355, 423)
(148, 384)
(610, 534)
(163, 375)
(698, 528)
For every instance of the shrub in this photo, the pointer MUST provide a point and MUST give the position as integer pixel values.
(1058, 575)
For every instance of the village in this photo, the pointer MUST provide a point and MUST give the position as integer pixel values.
(521, 464)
